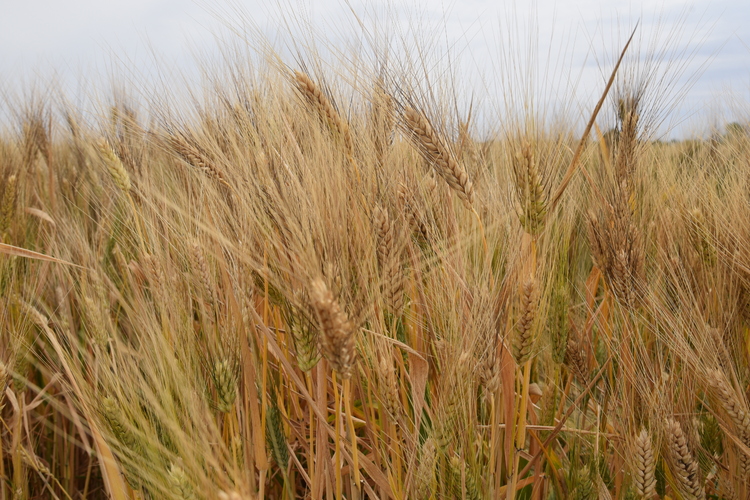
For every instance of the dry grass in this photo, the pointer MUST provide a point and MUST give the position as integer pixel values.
(309, 312)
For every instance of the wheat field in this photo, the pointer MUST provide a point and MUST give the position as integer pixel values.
(323, 282)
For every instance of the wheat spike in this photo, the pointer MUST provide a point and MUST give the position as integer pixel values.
(195, 158)
(126, 440)
(114, 166)
(275, 438)
(469, 486)
(416, 220)
(389, 260)
(736, 410)
(524, 341)
(323, 105)
(644, 465)
(558, 321)
(225, 381)
(532, 194)
(424, 477)
(337, 339)
(8, 206)
(489, 367)
(3, 374)
(585, 488)
(180, 482)
(201, 266)
(433, 149)
(686, 470)
(389, 382)
(97, 321)
(576, 360)
(617, 250)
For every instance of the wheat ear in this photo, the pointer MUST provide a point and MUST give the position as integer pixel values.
(337, 339)
(8, 206)
(644, 465)
(195, 158)
(389, 260)
(318, 100)
(434, 150)
(736, 410)
(686, 470)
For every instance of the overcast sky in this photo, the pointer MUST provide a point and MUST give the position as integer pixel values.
(79, 39)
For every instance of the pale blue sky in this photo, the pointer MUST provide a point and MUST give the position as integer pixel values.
(80, 39)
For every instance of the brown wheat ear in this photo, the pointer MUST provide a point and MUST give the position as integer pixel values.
(434, 150)
(686, 470)
(644, 465)
(196, 158)
(389, 259)
(737, 411)
(318, 100)
(338, 342)
(524, 340)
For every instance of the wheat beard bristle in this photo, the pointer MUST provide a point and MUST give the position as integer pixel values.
(435, 151)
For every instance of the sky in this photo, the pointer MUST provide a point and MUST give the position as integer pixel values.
(84, 41)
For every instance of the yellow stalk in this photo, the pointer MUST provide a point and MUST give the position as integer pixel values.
(350, 420)
(311, 451)
(493, 436)
(337, 437)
